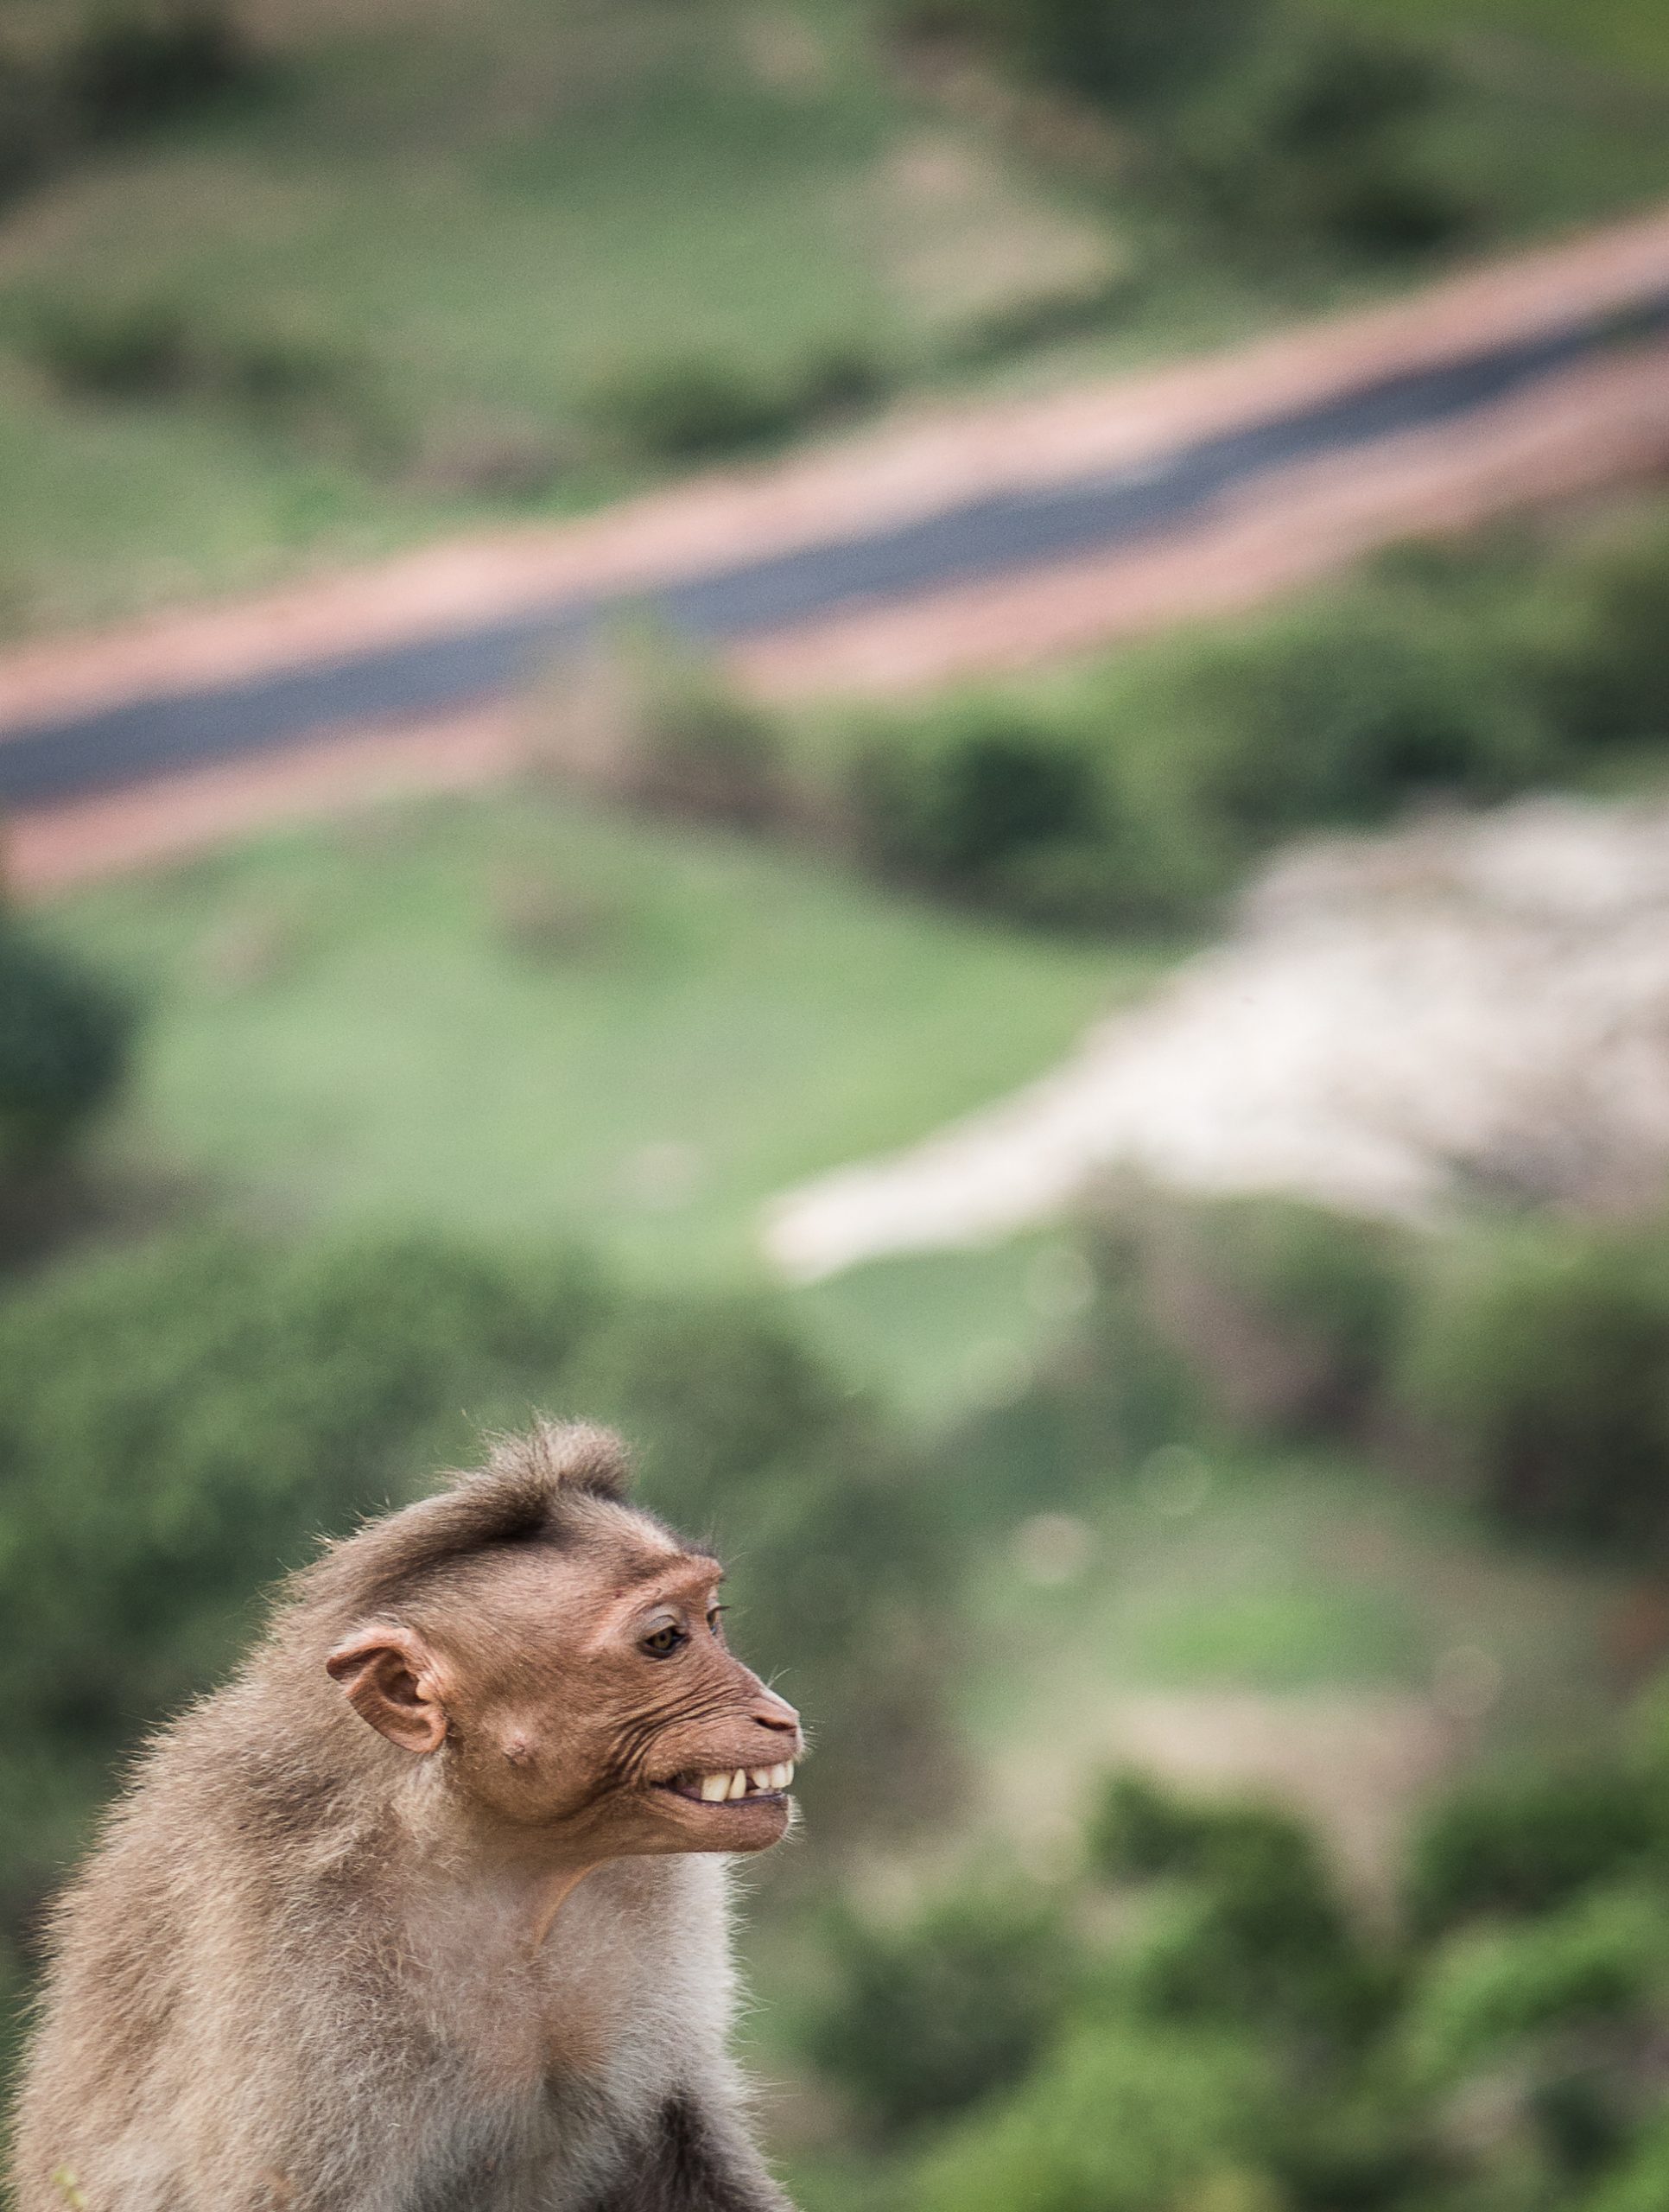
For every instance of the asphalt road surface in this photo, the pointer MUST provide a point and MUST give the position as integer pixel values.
(964, 543)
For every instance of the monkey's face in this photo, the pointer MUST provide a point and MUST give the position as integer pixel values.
(584, 1695)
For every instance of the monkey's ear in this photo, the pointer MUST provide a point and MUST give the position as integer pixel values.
(389, 1678)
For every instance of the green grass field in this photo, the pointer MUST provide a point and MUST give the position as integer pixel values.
(1628, 35)
(1279, 1623)
(481, 218)
(527, 1015)
(1211, 1572)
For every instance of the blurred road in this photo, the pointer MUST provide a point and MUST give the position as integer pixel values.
(987, 537)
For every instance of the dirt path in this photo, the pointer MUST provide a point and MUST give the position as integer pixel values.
(1605, 419)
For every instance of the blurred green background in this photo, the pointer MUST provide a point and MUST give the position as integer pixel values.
(1226, 1799)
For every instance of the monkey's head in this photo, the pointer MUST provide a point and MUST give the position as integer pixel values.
(561, 1656)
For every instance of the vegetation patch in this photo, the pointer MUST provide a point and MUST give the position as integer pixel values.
(1136, 793)
(1524, 1364)
(1620, 34)
(548, 256)
(530, 1014)
(1201, 2020)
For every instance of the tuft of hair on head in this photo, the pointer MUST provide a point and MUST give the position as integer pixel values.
(558, 1455)
(524, 1494)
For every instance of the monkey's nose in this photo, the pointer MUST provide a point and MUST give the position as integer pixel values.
(772, 1712)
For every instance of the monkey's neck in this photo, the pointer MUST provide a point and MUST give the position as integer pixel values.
(533, 1874)
(561, 1888)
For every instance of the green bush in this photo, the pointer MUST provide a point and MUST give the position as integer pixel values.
(1131, 55)
(124, 69)
(717, 1393)
(1344, 712)
(1336, 1282)
(1135, 795)
(1538, 1364)
(1226, 2038)
(1255, 1930)
(927, 2018)
(1320, 139)
(1595, 639)
(141, 349)
(1287, 125)
(693, 407)
(1119, 2119)
(64, 1043)
(838, 381)
(1237, 2044)
(33, 127)
(1526, 1844)
(1138, 1831)
(1604, 1959)
(687, 409)
(277, 373)
(1120, 1383)
(1288, 1313)
(1344, 81)
(1554, 2026)
(980, 791)
(1526, 1363)
(1642, 2182)
(1268, 1950)
(131, 67)
(272, 378)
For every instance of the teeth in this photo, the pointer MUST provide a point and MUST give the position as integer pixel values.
(722, 1789)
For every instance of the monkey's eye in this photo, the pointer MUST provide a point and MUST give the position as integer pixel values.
(715, 1619)
(664, 1641)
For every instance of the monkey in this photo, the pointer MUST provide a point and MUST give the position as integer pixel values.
(425, 1911)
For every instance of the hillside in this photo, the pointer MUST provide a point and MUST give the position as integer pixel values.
(525, 1015)
(413, 268)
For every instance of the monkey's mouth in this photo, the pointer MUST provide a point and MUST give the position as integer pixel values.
(740, 1783)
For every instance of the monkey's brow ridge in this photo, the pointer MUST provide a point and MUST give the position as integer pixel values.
(679, 1563)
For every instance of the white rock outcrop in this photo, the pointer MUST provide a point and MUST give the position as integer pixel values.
(1471, 1001)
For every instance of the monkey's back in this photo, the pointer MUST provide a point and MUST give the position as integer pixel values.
(151, 2021)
